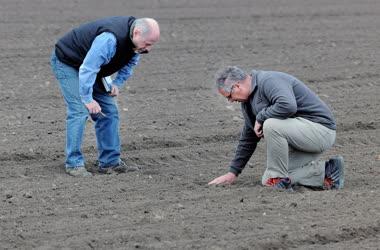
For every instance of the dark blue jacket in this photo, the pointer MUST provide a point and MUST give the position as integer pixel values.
(72, 48)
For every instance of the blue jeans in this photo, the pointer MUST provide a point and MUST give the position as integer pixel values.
(106, 127)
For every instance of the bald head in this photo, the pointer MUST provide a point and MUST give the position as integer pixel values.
(148, 27)
(146, 32)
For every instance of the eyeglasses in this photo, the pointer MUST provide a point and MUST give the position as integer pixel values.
(230, 92)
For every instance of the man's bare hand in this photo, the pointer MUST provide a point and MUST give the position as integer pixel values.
(93, 107)
(258, 129)
(228, 178)
(114, 91)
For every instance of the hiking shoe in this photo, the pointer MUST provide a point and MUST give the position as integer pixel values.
(122, 167)
(78, 172)
(280, 183)
(334, 173)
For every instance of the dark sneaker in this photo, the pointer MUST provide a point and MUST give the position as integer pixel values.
(280, 183)
(334, 173)
(78, 172)
(121, 168)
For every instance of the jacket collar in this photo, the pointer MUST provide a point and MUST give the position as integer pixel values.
(254, 81)
(247, 106)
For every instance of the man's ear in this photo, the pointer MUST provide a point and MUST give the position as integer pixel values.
(136, 32)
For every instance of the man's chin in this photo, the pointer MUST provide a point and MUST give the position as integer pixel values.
(141, 51)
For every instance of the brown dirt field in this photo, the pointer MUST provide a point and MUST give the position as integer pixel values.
(183, 134)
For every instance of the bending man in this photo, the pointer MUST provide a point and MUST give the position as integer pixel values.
(82, 62)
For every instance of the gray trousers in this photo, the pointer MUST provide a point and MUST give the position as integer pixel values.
(293, 148)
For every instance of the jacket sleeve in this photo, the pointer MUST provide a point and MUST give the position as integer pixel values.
(126, 71)
(247, 145)
(101, 52)
(281, 98)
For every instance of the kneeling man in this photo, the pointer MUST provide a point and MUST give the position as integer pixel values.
(296, 124)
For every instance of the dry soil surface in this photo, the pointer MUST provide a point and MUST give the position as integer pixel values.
(183, 134)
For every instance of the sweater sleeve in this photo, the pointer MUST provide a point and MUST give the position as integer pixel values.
(247, 145)
(281, 96)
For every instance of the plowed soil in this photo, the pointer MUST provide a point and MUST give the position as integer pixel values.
(183, 134)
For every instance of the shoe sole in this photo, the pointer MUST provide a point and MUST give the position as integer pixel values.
(289, 189)
(117, 170)
(339, 161)
(105, 171)
(109, 171)
(78, 173)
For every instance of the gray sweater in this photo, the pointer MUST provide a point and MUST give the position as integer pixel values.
(276, 95)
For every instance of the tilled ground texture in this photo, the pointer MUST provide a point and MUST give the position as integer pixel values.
(183, 134)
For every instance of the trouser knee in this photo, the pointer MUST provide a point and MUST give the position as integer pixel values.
(77, 110)
(271, 126)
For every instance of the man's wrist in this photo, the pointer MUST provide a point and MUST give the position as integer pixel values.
(234, 171)
(86, 99)
(259, 120)
(117, 83)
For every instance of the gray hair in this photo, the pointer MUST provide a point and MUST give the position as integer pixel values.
(226, 77)
(144, 25)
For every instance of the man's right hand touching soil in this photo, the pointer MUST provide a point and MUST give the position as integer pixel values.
(228, 178)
